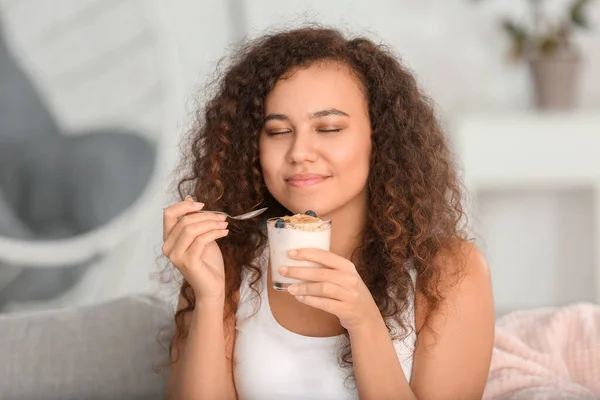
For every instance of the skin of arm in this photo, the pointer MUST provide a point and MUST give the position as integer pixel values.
(454, 349)
(202, 367)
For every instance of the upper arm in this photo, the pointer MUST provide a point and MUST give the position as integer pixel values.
(454, 350)
(178, 349)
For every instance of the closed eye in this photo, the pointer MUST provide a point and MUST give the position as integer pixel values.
(276, 133)
(328, 130)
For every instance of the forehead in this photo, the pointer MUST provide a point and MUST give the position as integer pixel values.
(319, 86)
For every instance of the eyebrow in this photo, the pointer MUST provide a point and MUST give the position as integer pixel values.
(318, 114)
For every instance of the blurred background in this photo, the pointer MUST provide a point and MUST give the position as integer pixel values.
(95, 95)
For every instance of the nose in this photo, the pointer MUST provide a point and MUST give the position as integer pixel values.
(303, 148)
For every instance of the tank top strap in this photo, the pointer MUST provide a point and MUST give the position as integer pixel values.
(409, 265)
(248, 297)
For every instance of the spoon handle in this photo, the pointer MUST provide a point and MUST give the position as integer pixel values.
(214, 212)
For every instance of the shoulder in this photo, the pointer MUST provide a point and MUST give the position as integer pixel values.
(456, 338)
(463, 256)
(462, 263)
(463, 277)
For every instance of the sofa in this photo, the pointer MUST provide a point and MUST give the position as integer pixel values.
(113, 350)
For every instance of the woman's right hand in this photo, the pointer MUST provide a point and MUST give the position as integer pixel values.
(190, 244)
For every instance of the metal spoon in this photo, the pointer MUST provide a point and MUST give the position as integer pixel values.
(247, 215)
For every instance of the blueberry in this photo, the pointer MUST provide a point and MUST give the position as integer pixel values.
(280, 223)
(311, 213)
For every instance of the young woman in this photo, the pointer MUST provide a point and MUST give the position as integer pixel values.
(309, 120)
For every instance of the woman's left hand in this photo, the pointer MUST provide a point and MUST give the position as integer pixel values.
(337, 288)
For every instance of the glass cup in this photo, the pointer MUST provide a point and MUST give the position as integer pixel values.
(295, 236)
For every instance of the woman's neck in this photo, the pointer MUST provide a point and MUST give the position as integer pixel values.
(348, 224)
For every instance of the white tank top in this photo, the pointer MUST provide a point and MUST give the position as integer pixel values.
(271, 362)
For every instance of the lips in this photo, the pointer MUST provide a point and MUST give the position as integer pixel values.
(306, 180)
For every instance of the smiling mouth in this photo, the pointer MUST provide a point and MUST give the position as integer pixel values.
(306, 181)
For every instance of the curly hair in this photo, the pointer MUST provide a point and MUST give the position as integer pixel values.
(414, 194)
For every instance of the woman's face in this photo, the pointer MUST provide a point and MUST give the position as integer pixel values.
(315, 146)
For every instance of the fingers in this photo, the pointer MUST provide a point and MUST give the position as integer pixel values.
(322, 303)
(321, 289)
(189, 229)
(188, 254)
(197, 247)
(172, 213)
(313, 274)
(323, 257)
(190, 219)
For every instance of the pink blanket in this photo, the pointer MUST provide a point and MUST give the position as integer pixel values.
(549, 353)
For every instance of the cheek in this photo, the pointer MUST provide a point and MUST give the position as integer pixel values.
(353, 161)
(268, 162)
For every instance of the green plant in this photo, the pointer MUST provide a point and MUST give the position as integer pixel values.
(543, 36)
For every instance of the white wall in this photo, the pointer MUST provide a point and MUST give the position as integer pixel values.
(539, 245)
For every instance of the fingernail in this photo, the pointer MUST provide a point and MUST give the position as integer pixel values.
(187, 197)
(283, 270)
(199, 205)
(299, 298)
(292, 253)
(224, 224)
(225, 232)
(293, 289)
